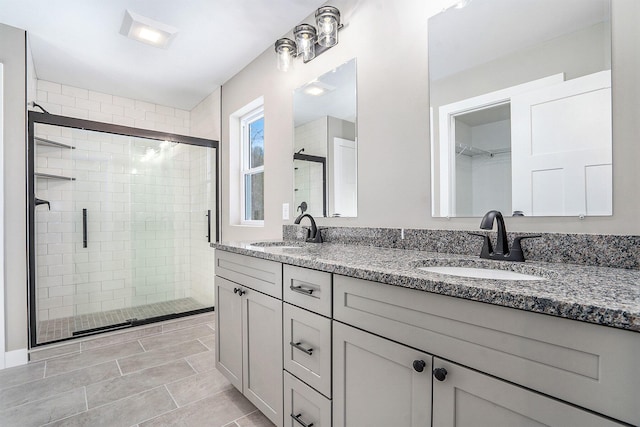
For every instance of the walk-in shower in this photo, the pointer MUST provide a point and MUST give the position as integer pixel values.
(120, 224)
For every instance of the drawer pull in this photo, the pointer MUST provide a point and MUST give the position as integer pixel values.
(302, 423)
(297, 345)
(301, 290)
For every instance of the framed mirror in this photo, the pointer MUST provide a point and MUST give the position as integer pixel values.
(520, 97)
(325, 157)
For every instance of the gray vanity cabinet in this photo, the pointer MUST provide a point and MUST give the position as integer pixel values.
(249, 330)
(350, 352)
(378, 382)
(579, 363)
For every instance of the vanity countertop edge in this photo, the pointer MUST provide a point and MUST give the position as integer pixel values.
(599, 295)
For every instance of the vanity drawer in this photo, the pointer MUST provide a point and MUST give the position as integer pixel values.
(307, 347)
(303, 402)
(588, 365)
(259, 274)
(310, 289)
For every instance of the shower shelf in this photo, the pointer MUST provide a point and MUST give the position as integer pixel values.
(50, 176)
(43, 141)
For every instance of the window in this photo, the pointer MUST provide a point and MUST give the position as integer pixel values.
(252, 169)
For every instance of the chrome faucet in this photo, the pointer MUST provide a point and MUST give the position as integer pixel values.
(502, 251)
(313, 234)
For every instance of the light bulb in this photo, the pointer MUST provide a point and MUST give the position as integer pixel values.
(328, 20)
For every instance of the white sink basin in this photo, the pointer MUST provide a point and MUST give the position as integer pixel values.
(481, 273)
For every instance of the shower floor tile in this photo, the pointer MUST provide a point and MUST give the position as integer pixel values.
(57, 329)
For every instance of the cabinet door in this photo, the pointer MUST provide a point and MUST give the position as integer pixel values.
(470, 398)
(262, 344)
(375, 383)
(229, 331)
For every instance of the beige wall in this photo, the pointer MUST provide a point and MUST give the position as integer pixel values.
(13, 56)
(389, 41)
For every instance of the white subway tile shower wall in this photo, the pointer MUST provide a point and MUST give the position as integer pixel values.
(140, 247)
(101, 107)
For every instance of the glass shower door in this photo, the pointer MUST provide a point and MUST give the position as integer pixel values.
(121, 229)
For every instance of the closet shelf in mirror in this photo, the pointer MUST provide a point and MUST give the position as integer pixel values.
(468, 150)
(43, 141)
(50, 176)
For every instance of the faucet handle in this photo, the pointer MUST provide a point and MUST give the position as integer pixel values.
(487, 247)
(516, 254)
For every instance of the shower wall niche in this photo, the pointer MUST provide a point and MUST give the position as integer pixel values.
(121, 221)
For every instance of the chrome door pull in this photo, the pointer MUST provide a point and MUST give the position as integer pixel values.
(297, 345)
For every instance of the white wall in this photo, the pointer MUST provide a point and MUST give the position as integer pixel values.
(393, 122)
(13, 56)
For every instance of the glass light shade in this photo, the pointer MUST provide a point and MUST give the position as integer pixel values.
(328, 20)
(284, 54)
(306, 41)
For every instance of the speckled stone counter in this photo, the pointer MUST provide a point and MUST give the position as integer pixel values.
(600, 295)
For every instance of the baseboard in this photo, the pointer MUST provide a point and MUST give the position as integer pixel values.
(16, 358)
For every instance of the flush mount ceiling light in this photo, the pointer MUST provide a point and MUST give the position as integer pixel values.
(310, 42)
(146, 30)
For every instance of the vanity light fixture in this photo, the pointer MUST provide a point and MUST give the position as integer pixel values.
(146, 30)
(310, 42)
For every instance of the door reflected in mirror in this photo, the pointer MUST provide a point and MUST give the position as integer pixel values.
(520, 96)
(325, 143)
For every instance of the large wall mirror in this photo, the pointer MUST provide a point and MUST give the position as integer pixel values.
(325, 143)
(520, 95)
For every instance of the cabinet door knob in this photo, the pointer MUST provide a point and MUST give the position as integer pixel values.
(239, 291)
(419, 365)
(440, 374)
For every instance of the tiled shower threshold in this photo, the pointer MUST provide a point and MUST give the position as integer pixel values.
(64, 328)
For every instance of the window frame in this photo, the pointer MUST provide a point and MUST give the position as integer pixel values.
(245, 156)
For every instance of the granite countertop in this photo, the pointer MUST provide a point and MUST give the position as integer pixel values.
(600, 295)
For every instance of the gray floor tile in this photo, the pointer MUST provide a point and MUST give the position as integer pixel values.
(123, 386)
(198, 387)
(47, 353)
(209, 341)
(255, 419)
(121, 337)
(51, 386)
(21, 374)
(203, 362)
(214, 411)
(189, 321)
(124, 412)
(171, 338)
(160, 356)
(69, 363)
(46, 410)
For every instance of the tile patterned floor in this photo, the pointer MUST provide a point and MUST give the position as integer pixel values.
(159, 375)
(56, 329)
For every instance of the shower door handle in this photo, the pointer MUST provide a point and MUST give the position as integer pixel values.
(84, 228)
(208, 215)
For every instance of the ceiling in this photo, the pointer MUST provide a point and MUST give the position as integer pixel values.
(77, 43)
